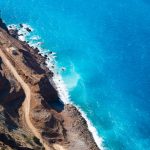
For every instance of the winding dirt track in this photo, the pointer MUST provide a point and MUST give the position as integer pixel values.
(26, 104)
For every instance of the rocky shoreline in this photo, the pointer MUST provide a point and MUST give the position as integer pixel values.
(60, 125)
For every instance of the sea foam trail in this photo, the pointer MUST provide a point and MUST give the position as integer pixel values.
(57, 80)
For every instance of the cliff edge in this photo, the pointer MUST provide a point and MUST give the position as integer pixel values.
(31, 114)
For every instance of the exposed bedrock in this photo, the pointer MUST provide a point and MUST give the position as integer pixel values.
(30, 108)
(12, 133)
(50, 124)
(11, 93)
(3, 25)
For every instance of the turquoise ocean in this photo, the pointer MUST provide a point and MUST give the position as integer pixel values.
(105, 47)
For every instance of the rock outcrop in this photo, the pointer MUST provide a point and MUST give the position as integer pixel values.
(3, 25)
(58, 126)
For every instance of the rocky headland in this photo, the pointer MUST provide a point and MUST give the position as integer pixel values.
(32, 116)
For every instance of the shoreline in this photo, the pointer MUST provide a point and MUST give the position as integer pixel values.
(59, 85)
(58, 82)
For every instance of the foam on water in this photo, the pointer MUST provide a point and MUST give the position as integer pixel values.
(92, 129)
(22, 31)
(57, 81)
(36, 37)
(71, 78)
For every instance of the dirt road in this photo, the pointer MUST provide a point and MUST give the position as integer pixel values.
(26, 104)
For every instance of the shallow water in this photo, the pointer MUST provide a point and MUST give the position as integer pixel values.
(104, 45)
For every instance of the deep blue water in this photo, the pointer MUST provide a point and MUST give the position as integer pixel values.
(105, 46)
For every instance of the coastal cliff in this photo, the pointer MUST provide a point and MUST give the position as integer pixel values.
(32, 116)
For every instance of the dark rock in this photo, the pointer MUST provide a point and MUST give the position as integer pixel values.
(28, 29)
(3, 25)
(14, 33)
(21, 25)
(48, 92)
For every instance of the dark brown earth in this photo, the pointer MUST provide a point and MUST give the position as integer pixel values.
(46, 126)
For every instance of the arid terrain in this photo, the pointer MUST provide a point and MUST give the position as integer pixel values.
(32, 117)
